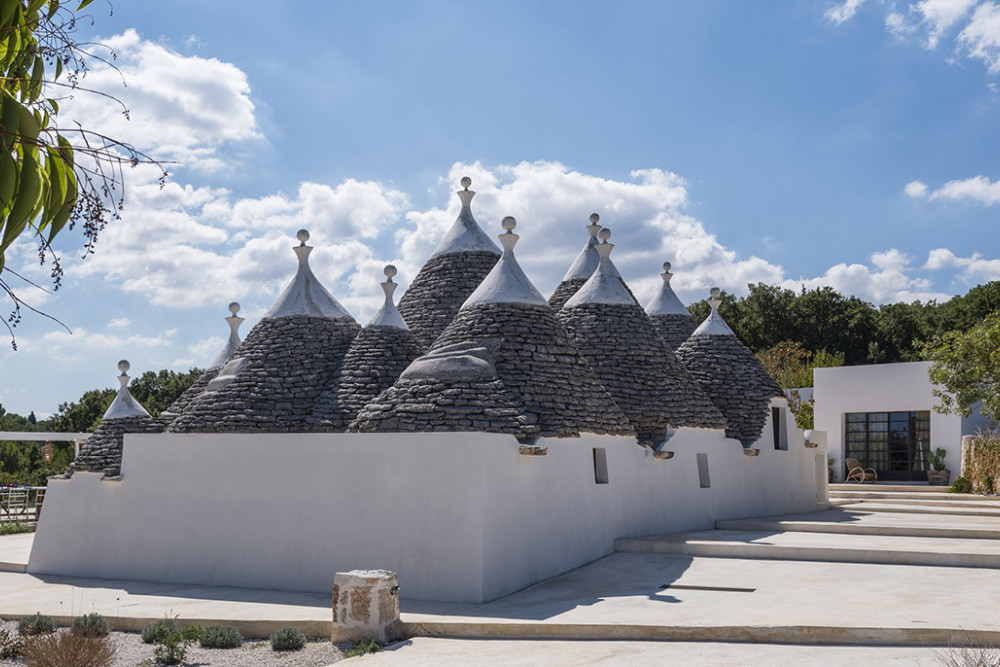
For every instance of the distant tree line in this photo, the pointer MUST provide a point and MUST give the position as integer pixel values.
(824, 321)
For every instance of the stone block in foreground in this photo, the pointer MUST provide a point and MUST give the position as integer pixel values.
(365, 606)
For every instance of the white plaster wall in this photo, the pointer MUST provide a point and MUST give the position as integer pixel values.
(882, 388)
(459, 516)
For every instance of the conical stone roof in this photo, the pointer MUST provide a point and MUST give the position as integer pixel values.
(651, 387)
(503, 365)
(374, 361)
(730, 374)
(670, 317)
(582, 268)
(454, 270)
(102, 452)
(272, 381)
(225, 354)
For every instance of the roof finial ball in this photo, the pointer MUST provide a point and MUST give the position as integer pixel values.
(466, 182)
(666, 267)
(302, 235)
(604, 234)
(389, 271)
(594, 218)
(123, 366)
(715, 301)
(508, 224)
(234, 308)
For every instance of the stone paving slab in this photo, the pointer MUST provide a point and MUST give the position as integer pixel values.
(436, 652)
(14, 551)
(622, 596)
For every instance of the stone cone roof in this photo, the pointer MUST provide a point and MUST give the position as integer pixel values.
(582, 268)
(274, 378)
(102, 452)
(503, 365)
(671, 318)
(731, 375)
(651, 387)
(376, 358)
(454, 270)
(225, 354)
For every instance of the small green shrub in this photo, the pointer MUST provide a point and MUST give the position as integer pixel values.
(61, 649)
(91, 625)
(363, 648)
(172, 645)
(38, 624)
(149, 632)
(15, 527)
(11, 645)
(936, 458)
(960, 485)
(221, 636)
(288, 639)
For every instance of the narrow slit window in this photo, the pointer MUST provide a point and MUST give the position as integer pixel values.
(778, 428)
(600, 465)
(703, 479)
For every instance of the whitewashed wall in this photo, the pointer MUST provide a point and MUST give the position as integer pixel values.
(460, 517)
(885, 388)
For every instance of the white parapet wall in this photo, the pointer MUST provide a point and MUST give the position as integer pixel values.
(459, 516)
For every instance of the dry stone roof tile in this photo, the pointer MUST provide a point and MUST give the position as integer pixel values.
(631, 360)
(671, 318)
(452, 273)
(732, 377)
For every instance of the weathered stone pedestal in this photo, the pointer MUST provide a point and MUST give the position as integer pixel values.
(365, 606)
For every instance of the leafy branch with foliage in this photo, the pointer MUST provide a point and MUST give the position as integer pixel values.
(966, 369)
(52, 177)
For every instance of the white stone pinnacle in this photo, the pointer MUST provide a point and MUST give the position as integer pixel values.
(305, 295)
(605, 285)
(714, 325)
(665, 302)
(465, 234)
(124, 404)
(226, 353)
(388, 315)
(506, 281)
(586, 262)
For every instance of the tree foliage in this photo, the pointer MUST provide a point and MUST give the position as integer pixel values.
(51, 177)
(824, 320)
(967, 368)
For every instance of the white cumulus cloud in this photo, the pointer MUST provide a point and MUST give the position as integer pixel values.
(916, 189)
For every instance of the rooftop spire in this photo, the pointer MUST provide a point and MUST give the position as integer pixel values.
(666, 302)
(506, 282)
(605, 285)
(586, 262)
(714, 325)
(387, 315)
(305, 295)
(124, 404)
(465, 234)
(234, 341)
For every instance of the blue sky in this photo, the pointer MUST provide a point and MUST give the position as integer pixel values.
(849, 144)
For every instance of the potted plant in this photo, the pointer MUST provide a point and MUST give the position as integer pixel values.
(938, 476)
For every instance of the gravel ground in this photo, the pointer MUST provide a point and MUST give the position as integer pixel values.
(255, 653)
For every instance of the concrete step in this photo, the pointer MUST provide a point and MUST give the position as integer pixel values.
(915, 508)
(842, 548)
(929, 502)
(942, 497)
(13, 567)
(924, 526)
(890, 488)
